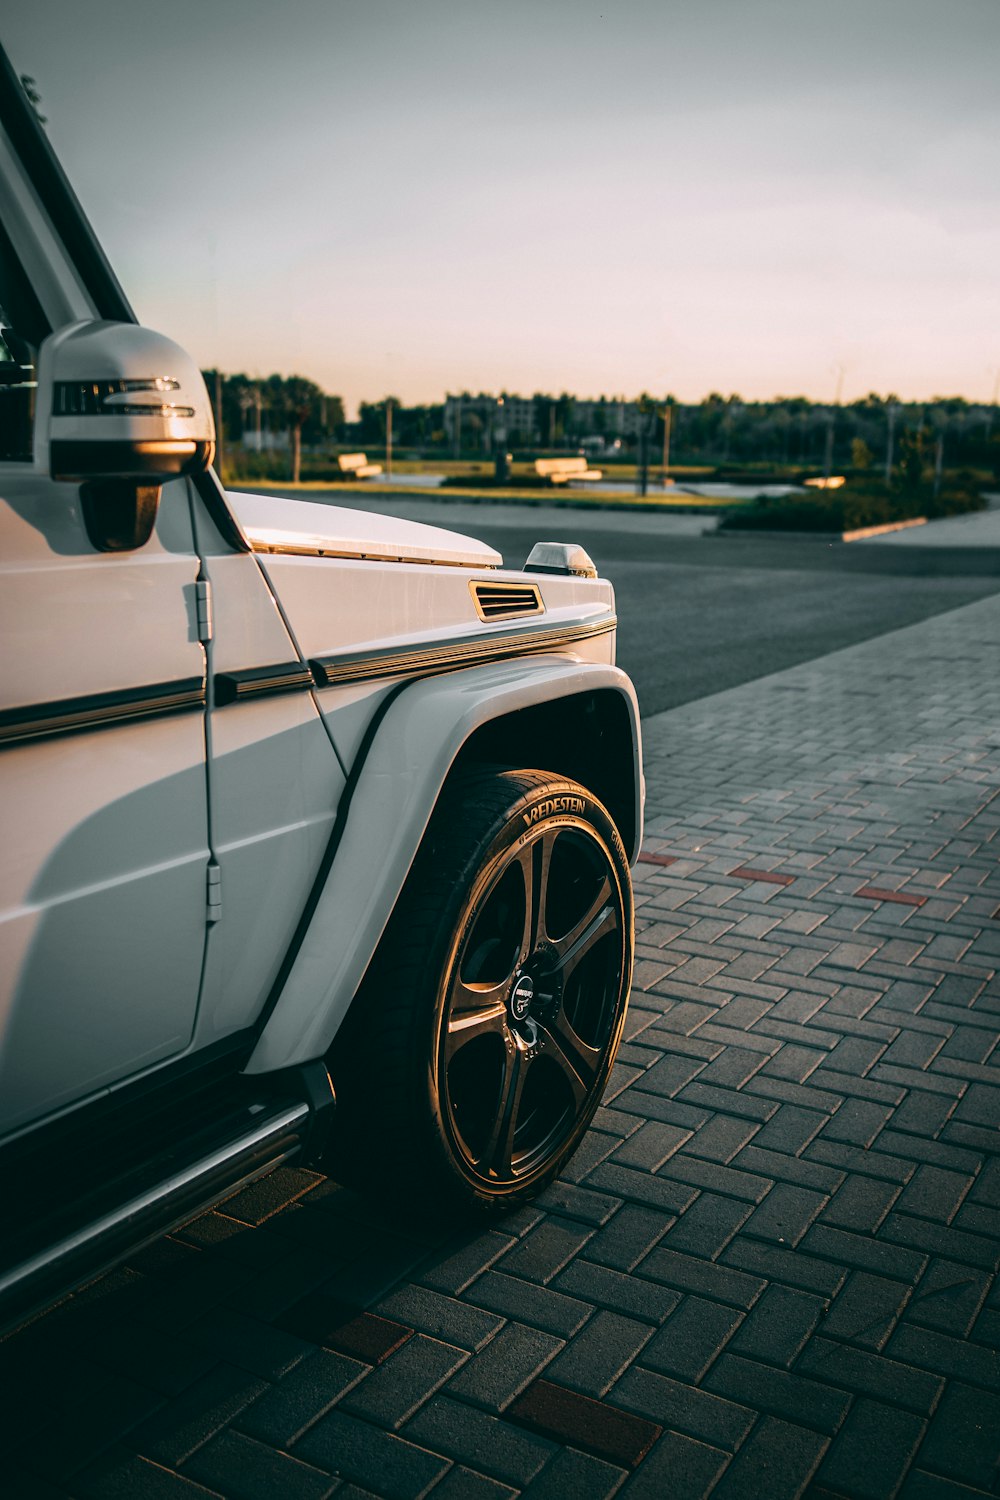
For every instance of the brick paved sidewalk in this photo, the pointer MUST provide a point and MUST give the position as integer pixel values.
(769, 1270)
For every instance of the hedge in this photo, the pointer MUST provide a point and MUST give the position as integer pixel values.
(847, 509)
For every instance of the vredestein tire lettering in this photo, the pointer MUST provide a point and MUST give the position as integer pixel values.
(566, 804)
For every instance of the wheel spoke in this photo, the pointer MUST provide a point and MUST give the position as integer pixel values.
(483, 1014)
(578, 1062)
(537, 866)
(525, 861)
(498, 1153)
(475, 994)
(600, 919)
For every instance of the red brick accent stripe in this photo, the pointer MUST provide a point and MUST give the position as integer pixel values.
(337, 1325)
(770, 877)
(902, 898)
(368, 1337)
(657, 859)
(606, 1431)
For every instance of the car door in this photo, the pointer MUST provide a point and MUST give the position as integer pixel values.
(102, 722)
(275, 783)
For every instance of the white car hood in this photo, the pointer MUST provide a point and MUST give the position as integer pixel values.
(275, 524)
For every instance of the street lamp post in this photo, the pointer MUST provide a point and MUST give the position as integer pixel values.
(830, 420)
(939, 457)
(501, 466)
(890, 434)
(643, 475)
(828, 449)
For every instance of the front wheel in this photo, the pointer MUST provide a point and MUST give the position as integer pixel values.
(482, 1040)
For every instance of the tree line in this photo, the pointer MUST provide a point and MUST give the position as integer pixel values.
(788, 433)
(874, 432)
(289, 408)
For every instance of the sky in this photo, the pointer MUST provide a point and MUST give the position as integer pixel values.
(601, 196)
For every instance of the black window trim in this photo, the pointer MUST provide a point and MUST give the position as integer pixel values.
(33, 332)
(32, 146)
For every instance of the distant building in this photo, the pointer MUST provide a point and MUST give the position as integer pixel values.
(484, 417)
(613, 418)
(512, 415)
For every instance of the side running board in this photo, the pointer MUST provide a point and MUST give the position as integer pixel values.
(265, 1137)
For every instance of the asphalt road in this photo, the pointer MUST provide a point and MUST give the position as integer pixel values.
(698, 613)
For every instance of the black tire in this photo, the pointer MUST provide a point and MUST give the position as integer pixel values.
(481, 1042)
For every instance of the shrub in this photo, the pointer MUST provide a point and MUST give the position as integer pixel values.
(848, 509)
(244, 464)
(491, 482)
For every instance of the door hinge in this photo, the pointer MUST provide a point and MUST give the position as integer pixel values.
(203, 595)
(213, 893)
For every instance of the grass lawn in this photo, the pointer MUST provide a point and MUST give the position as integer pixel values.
(611, 470)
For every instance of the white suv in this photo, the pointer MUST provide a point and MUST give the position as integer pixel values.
(317, 824)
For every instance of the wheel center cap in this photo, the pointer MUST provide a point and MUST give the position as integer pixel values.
(521, 997)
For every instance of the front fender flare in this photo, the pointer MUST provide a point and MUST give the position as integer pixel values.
(406, 765)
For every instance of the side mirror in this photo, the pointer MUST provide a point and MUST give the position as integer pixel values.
(120, 409)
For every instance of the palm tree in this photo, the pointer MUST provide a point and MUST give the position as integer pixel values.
(301, 400)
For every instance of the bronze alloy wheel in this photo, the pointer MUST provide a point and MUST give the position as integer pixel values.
(479, 1048)
(532, 1001)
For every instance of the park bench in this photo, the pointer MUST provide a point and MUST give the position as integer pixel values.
(566, 470)
(356, 466)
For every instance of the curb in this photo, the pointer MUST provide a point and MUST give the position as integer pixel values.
(743, 533)
(864, 531)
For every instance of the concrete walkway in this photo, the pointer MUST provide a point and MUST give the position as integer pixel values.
(770, 1270)
(980, 529)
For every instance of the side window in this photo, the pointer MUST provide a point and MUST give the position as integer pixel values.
(22, 329)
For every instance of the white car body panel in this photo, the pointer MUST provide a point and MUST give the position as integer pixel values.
(268, 849)
(273, 523)
(57, 593)
(340, 605)
(102, 928)
(102, 872)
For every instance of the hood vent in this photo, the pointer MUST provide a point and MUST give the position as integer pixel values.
(502, 601)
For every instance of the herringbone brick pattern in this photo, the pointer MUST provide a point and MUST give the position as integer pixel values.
(770, 1269)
